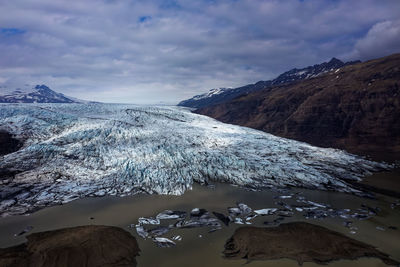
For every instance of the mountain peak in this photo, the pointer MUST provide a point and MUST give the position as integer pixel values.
(36, 94)
(335, 61)
(43, 87)
(217, 96)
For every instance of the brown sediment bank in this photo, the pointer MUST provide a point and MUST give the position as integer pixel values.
(300, 241)
(78, 246)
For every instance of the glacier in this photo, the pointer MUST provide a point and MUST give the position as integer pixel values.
(73, 151)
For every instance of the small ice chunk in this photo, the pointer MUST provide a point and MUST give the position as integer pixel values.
(161, 230)
(234, 211)
(284, 213)
(196, 212)
(169, 214)
(250, 217)
(316, 204)
(269, 211)
(202, 221)
(25, 230)
(141, 231)
(244, 208)
(163, 242)
(177, 238)
(143, 220)
(238, 221)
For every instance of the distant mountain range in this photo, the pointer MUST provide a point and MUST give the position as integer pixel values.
(36, 94)
(355, 108)
(222, 95)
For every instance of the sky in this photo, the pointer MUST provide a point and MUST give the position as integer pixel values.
(151, 52)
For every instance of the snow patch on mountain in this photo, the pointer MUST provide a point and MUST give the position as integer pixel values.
(72, 151)
(212, 92)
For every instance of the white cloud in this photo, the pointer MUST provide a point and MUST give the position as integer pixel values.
(381, 40)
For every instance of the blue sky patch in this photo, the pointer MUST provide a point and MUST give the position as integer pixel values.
(143, 19)
(11, 31)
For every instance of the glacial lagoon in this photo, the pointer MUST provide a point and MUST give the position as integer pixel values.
(199, 247)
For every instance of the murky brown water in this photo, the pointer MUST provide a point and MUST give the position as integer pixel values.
(385, 180)
(206, 250)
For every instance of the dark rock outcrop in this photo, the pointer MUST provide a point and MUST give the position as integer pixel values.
(303, 242)
(354, 108)
(8, 144)
(78, 246)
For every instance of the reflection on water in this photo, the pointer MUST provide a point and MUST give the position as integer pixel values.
(206, 250)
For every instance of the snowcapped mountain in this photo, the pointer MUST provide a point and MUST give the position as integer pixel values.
(215, 91)
(36, 94)
(310, 71)
(72, 151)
(222, 95)
(330, 110)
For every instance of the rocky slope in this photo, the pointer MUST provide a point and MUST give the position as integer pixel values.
(36, 94)
(355, 108)
(222, 95)
(72, 151)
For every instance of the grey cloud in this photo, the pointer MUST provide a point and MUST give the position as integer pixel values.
(101, 50)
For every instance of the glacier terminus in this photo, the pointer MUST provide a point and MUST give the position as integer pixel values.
(73, 151)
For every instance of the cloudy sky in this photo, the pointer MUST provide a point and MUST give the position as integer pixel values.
(155, 51)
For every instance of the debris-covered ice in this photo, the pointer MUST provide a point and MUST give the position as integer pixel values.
(163, 242)
(73, 151)
(225, 219)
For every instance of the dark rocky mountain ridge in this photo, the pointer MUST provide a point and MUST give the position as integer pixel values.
(355, 108)
(222, 95)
